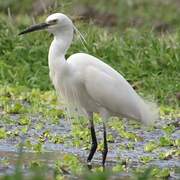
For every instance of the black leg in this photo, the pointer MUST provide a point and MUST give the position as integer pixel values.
(105, 150)
(94, 141)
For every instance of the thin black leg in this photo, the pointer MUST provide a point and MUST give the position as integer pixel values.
(105, 150)
(94, 141)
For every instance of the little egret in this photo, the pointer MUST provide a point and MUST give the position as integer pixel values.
(88, 83)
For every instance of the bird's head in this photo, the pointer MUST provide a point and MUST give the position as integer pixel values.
(54, 24)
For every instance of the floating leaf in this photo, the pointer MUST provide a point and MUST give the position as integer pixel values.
(24, 129)
(145, 159)
(129, 135)
(150, 146)
(119, 168)
(24, 121)
(166, 155)
(2, 133)
(161, 173)
(169, 129)
(165, 141)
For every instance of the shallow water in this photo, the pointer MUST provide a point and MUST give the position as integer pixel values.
(51, 151)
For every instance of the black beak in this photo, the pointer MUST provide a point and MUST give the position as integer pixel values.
(35, 27)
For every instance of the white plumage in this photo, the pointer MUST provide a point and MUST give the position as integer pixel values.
(88, 83)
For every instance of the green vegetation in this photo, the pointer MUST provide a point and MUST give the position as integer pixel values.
(27, 113)
(141, 41)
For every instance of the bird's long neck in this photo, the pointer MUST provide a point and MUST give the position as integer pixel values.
(59, 46)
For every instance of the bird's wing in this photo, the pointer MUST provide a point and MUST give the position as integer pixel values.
(112, 93)
(109, 89)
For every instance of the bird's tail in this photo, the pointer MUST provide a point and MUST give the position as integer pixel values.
(149, 112)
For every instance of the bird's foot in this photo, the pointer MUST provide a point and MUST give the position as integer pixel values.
(104, 167)
(89, 165)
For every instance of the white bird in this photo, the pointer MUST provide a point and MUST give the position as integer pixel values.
(88, 83)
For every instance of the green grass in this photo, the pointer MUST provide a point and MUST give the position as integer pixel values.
(149, 62)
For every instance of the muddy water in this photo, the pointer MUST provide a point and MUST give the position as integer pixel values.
(51, 151)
